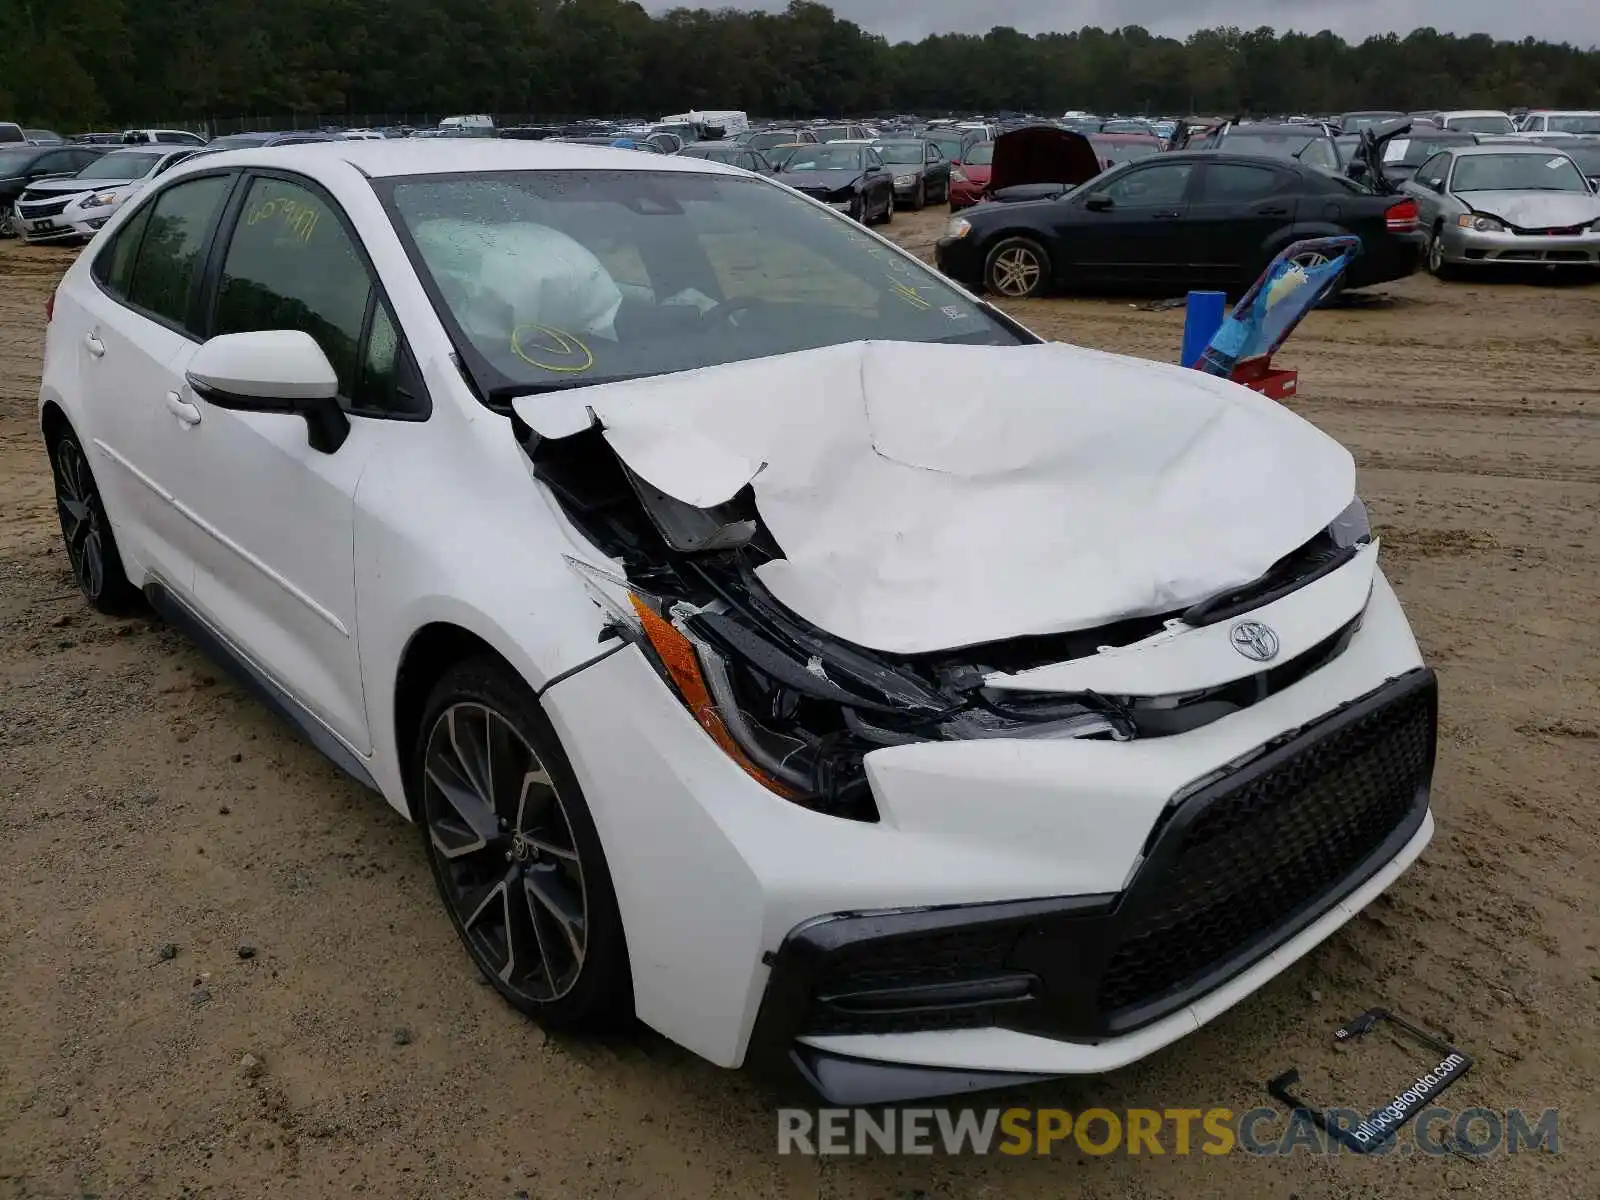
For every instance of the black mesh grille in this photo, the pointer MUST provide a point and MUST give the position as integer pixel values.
(948, 956)
(32, 210)
(1256, 855)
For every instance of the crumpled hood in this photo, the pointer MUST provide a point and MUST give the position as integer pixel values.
(831, 181)
(928, 497)
(1536, 210)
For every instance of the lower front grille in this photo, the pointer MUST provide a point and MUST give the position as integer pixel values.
(1238, 860)
(33, 210)
(1239, 866)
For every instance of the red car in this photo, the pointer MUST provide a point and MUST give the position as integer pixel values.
(1115, 148)
(968, 181)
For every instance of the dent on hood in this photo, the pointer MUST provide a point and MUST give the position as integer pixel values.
(832, 551)
(924, 497)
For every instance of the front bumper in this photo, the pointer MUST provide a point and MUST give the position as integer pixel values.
(1472, 246)
(960, 259)
(1239, 878)
(58, 222)
(714, 873)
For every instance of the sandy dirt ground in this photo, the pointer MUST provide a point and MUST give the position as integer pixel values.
(153, 819)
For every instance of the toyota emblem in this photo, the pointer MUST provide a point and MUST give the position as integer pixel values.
(1254, 640)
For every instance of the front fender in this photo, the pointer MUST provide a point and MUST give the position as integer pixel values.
(453, 529)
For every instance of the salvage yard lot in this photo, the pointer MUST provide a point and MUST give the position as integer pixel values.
(146, 803)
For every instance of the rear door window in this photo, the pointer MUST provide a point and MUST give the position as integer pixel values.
(171, 252)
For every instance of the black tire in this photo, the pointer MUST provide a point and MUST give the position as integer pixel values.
(858, 210)
(521, 872)
(8, 228)
(1016, 268)
(888, 208)
(1434, 260)
(920, 199)
(86, 532)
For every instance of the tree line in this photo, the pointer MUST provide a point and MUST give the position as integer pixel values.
(80, 63)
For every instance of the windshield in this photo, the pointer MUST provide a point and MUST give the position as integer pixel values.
(1575, 124)
(1356, 122)
(1121, 152)
(1413, 152)
(13, 161)
(1287, 144)
(1486, 124)
(949, 146)
(766, 141)
(831, 133)
(121, 166)
(1587, 158)
(556, 279)
(824, 158)
(1516, 173)
(981, 155)
(239, 141)
(902, 152)
(1125, 127)
(722, 154)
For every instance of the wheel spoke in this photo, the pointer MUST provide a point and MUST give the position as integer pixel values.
(504, 852)
(553, 899)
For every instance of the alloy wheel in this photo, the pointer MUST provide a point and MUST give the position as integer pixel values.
(1015, 271)
(1435, 253)
(1310, 260)
(508, 863)
(79, 509)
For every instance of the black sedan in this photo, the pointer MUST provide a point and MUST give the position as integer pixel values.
(920, 169)
(1194, 219)
(848, 176)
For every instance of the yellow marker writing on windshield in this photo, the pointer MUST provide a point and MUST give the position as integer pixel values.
(569, 355)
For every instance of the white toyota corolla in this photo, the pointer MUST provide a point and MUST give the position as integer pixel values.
(769, 638)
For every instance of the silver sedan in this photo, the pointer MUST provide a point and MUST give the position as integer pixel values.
(1500, 203)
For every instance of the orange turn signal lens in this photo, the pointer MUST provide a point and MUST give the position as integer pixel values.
(682, 663)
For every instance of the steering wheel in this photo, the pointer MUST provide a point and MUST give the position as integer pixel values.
(726, 314)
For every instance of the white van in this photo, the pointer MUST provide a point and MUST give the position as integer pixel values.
(730, 121)
(479, 123)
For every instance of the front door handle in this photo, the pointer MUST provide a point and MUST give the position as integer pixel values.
(1273, 210)
(96, 346)
(187, 413)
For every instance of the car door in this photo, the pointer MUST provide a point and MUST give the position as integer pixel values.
(279, 578)
(1133, 227)
(937, 172)
(1426, 187)
(1236, 210)
(136, 337)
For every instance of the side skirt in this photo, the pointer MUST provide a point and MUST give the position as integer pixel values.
(180, 616)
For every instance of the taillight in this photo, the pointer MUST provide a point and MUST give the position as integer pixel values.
(1401, 217)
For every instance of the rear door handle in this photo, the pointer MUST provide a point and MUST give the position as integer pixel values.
(96, 346)
(187, 413)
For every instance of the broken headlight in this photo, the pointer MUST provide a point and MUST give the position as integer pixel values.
(1352, 527)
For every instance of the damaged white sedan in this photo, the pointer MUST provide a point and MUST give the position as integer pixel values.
(771, 639)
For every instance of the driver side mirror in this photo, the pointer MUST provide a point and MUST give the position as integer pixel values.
(1099, 202)
(273, 371)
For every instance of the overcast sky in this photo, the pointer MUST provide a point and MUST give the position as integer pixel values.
(902, 20)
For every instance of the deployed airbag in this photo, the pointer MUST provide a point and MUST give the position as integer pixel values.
(928, 497)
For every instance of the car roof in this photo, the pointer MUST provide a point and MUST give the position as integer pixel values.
(392, 158)
(1542, 149)
(1474, 112)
